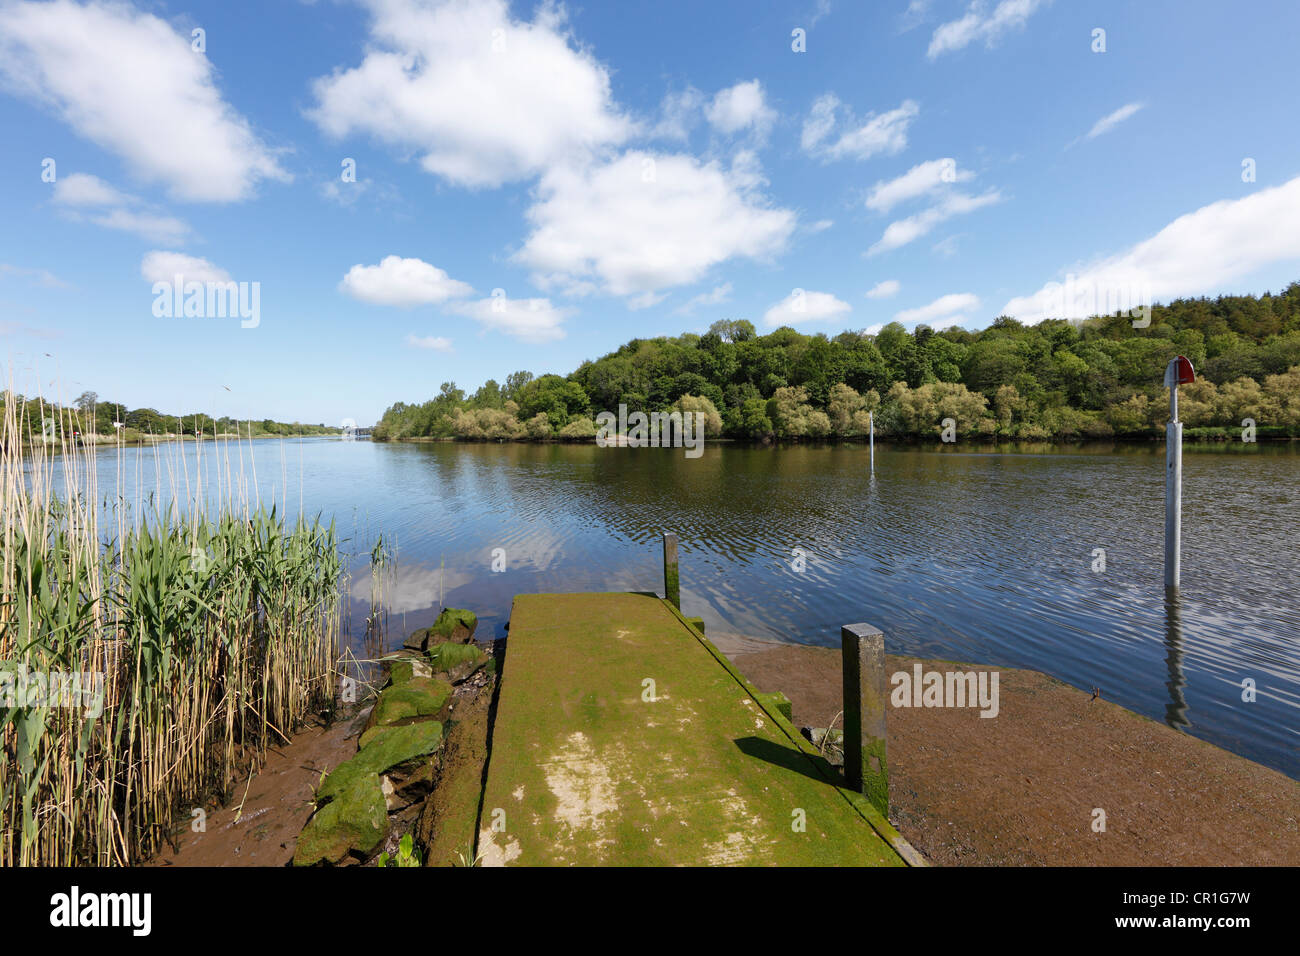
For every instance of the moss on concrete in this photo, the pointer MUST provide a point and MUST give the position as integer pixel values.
(779, 702)
(588, 768)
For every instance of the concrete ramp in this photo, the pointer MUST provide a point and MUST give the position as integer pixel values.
(622, 737)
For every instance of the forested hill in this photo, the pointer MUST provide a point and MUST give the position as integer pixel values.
(1057, 379)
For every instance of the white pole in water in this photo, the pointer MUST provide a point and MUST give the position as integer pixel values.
(872, 432)
(1179, 372)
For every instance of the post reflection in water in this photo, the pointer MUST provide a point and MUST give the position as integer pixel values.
(1176, 709)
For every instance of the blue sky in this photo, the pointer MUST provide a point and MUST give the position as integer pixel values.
(536, 184)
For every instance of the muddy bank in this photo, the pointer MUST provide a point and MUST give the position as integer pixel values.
(273, 804)
(1021, 789)
(405, 761)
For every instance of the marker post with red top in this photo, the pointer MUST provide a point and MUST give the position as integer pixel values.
(1179, 372)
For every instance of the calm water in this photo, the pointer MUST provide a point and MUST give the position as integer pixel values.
(970, 555)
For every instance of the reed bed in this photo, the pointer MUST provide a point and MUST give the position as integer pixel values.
(210, 626)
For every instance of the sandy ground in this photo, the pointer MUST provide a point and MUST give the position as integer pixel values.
(1022, 788)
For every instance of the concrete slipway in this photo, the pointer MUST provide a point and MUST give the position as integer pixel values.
(623, 737)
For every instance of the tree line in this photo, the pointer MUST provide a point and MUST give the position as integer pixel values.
(87, 416)
(1056, 379)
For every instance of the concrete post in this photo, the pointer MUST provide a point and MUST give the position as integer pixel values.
(862, 648)
(672, 584)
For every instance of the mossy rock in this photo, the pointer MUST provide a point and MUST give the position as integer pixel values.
(829, 742)
(354, 822)
(453, 624)
(460, 660)
(779, 702)
(385, 747)
(406, 668)
(417, 697)
(342, 779)
(382, 749)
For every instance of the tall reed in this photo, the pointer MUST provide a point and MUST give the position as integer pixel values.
(213, 625)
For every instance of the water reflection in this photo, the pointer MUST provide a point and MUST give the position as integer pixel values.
(1176, 710)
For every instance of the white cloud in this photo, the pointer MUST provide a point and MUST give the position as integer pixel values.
(435, 343)
(903, 231)
(484, 98)
(821, 225)
(884, 289)
(716, 296)
(920, 180)
(942, 312)
(42, 277)
(531, 320)
(130, 83)
(739, 107)
(678, 113)
(880, 133)
(977, 25)
(1194, 254)
(158, 266)
(165, 229)
(801, 306)
(645, 222)
(115, 209)
(83, 189)
(916, 13)
(645, 300)
(402, 282)
(1111, 120)
(947, 246)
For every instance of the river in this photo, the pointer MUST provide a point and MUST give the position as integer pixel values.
(972, 554)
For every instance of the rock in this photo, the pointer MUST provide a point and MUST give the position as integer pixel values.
(353, 824)
(834, 748)
(403, 668)
(391, 800)
(383, 748)
(453, 624)
(417, 697)
(458, 661)
(401, 754)
(778, 702)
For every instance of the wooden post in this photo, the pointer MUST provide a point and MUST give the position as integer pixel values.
(672, 584)
(862, 648)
